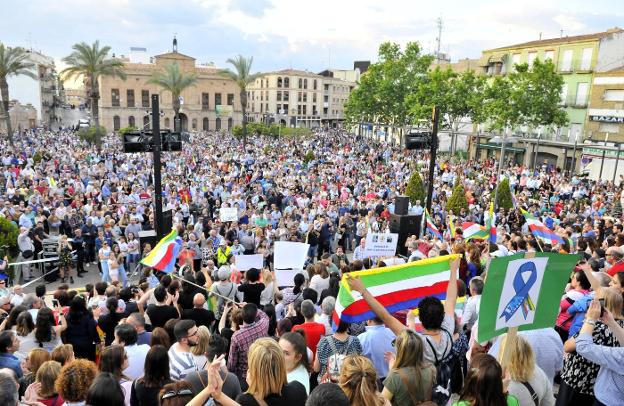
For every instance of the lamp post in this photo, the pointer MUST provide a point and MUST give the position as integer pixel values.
(604, 153)
(617, 161)
(158, 215)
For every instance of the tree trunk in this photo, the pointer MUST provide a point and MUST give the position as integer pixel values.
(95, 112)
(175, 101)
(243, 99)
(4, 90)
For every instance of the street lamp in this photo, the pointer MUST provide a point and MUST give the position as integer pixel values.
(503, 140)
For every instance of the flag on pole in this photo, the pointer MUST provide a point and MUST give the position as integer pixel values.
(431, 227)
(524, 291)
(490, 224)
(396, 288)
(540, 231)
(164, 255)
(474, 231)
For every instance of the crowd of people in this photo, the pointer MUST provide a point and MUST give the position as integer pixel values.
(210, 333)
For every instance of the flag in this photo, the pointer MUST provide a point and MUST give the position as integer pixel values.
(451, 225)
(540, 231)
(431, 227)
(490, 224)
(523, 290)
(514, 201)
(397, 287)
(474, 231)
(164, 255)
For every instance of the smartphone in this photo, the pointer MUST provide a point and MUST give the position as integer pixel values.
(55, 303)
(602, 306)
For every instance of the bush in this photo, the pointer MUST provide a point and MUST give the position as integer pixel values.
(309, 156)
(503, 195)
(237, 131)
(88, 134)
(458, 198)
(8, 237)
(125, 130)
(37, 157)
(415, 188)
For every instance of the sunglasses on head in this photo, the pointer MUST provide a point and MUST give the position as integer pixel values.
(173, 394)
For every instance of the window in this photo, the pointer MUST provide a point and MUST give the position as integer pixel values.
(145, 98)
(146, 121)
(230, 122)
(314, 111)
(131, 121)
(326, 99)
(586, 58)
(217, 99)
(279, 95)
(614, 95)
(116, 123)
(286, 82)
(279, 81)
(130, 97)
(305, 97)
(115, 97)
(305, 83)
(300, 83)
(194, 124)
(261, 107)
(532, 56)
(205, 101)
(266, 107)
(550, 54)
(581, 94)
(167, 122)
(285, 108)
(611, 128)
(278, 109)
(230, 99)
(218, 124)
(313, 97)
(299, 109)
(304, 110)
(566, 61)
(286, 95)
(326, 88)
(205, 124)
(314, 84)
(299, 96)
(564, 93)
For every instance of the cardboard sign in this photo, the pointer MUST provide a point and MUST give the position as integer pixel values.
(228, 214)
(246, 262)
(381, 244)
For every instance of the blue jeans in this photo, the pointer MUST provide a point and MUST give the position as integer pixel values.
(312, 251)
(105, 275)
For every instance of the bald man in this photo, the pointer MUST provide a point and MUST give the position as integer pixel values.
(199, 313)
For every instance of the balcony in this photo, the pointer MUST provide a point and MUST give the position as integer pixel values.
(573, 102)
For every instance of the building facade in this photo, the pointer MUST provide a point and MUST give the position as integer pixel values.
(298, 99)
(213, 104)
(576, 59)
(605, 116)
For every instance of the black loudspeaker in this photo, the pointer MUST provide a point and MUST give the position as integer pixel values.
(404, 226)
(401, 205)
(167, 221)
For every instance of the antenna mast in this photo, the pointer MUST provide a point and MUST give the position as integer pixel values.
(439, 39)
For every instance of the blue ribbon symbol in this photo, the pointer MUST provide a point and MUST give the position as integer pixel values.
(522, 288)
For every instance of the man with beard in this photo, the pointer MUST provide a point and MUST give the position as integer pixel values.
(181, 360)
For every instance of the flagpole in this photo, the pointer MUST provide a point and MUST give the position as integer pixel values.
(204, 288)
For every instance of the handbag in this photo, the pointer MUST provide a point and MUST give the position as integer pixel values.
(27, 254)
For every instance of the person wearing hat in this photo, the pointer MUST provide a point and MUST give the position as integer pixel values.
(224, 289)
(223, 253)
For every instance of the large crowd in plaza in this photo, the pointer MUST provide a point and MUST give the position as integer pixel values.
(141, 337)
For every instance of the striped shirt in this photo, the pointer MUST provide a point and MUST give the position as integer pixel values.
(180, 363)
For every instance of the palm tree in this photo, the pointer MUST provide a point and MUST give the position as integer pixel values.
(243, 77)
(91, 62)
(13, 62)
(174, 81)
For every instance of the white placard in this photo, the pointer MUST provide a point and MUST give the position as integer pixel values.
(246, 262)
(381, 245)
(228, 214)
(290, 255)
(286, 277)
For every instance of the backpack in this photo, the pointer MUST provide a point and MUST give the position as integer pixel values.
(335, 361)
(444, 372)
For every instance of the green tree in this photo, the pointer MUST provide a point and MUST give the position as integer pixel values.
(92, 62)
(503, 195)
(457, 95)
(383, 90)
(123, 131)
(90, 134)
(13, 62)
(458, 200)
(243, 77)
(174, 81)
(415, 188)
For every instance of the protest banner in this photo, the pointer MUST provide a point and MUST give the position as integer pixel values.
(228, 214)
(246, 262)
(381, 244)
(288, 259)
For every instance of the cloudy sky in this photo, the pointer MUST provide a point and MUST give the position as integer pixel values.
(292, 33)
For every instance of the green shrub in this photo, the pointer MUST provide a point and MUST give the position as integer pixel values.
(125, 130)
(309, 156)
(458, 198)
(415, 188)
(503, 195)
(88, 134)
(8, 237)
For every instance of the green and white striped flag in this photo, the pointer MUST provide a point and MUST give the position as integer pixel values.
(524, 291)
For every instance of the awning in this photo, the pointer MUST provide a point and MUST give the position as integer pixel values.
(507, 148)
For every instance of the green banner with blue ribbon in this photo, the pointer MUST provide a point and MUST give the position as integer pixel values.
(523, 290)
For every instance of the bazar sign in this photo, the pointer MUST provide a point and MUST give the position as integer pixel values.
(607, 119)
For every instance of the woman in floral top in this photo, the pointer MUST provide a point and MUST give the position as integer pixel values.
(579, 375)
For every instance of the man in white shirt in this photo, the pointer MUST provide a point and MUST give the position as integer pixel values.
(471, 310)
(358, 253)
(126, 335)
(181, 361)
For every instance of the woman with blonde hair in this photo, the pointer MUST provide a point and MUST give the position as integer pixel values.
(358, 380)
(267, 380)
(529, 384)
(43, 389)
(410, 380)
(63, 354)
(36, 357)
(65, 259)
(199, 350)
(270, 288)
